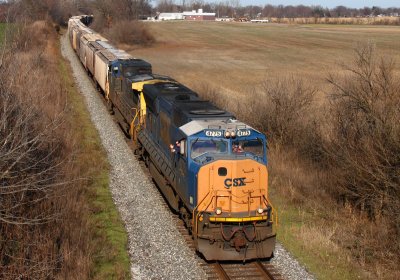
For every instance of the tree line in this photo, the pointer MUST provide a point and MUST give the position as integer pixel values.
(233, 8)
(141, 9)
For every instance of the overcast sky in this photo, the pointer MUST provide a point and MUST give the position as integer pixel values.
(325, 3)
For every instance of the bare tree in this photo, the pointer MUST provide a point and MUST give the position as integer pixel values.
(366, 133)
(33, 158)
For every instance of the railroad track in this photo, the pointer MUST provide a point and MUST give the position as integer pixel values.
(231, 270)
(251, 270)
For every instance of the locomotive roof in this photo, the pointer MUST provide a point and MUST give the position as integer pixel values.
(188, 110)
(200, 109)
(148, 77)
(184, 104)
(196, 126)
(167, 90)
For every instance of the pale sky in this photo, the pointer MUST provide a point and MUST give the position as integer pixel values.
(325, 3)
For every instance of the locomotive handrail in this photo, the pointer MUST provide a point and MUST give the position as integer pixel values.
(198, 214)
(132, 127)
(274, 213)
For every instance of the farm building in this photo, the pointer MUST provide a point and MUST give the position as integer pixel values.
(170, 16)
(199, 15)
(188, 15)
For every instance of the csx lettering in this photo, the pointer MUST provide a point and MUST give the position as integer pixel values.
(236, 182)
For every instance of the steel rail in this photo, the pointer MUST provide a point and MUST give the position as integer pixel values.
(221, 271)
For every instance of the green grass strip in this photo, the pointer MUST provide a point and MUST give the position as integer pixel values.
(110, 259)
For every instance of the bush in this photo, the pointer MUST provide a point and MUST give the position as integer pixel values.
(130, 33)
(364, 146)
(365, 134)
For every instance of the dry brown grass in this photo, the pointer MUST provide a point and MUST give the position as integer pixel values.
(236, 57)
(232, 71)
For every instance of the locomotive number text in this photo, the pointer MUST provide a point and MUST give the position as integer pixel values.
(213, 133)
(243, 132)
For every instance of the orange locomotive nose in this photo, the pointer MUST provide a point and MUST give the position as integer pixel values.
(233, 218)
(234, 186)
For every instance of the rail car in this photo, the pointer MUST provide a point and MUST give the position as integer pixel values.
(210, 167)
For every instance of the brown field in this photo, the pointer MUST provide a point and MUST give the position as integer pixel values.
(235, 57)
(226, 61)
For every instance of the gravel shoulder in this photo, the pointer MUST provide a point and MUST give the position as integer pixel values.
(157, 249)
(289, 267)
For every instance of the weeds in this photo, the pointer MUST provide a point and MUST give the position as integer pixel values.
(34, 162)
(47, 177)
(345, 154)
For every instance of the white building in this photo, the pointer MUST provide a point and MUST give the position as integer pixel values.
(199, 15)
(170, 16)
(187, 15)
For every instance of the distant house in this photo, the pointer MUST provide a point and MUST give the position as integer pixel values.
(199, 15)
(170, 16)
(188, 15)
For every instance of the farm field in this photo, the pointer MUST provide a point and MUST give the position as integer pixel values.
(231, 60)
(237, 56)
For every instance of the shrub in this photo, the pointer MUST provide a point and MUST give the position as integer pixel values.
(364, 147)
(129, 32)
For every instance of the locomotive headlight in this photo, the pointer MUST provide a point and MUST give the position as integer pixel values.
(260, 210)
(227, 134)
(233, 134)
(218, 210)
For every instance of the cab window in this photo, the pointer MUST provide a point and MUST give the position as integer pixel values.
(200, 147)
(129, 72)
(254, 146)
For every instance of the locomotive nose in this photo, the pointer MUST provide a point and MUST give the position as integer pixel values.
(233, 216)
(234, 186)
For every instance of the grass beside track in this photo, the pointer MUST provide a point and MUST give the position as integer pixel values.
(110, 259)
(2, 29)
(303, 234)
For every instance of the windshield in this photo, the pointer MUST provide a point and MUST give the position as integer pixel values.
(254, 146)
(200, 147)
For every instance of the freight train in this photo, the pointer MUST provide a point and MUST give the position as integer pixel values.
(210, 167)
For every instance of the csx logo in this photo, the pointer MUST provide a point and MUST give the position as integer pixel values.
(236, 182)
